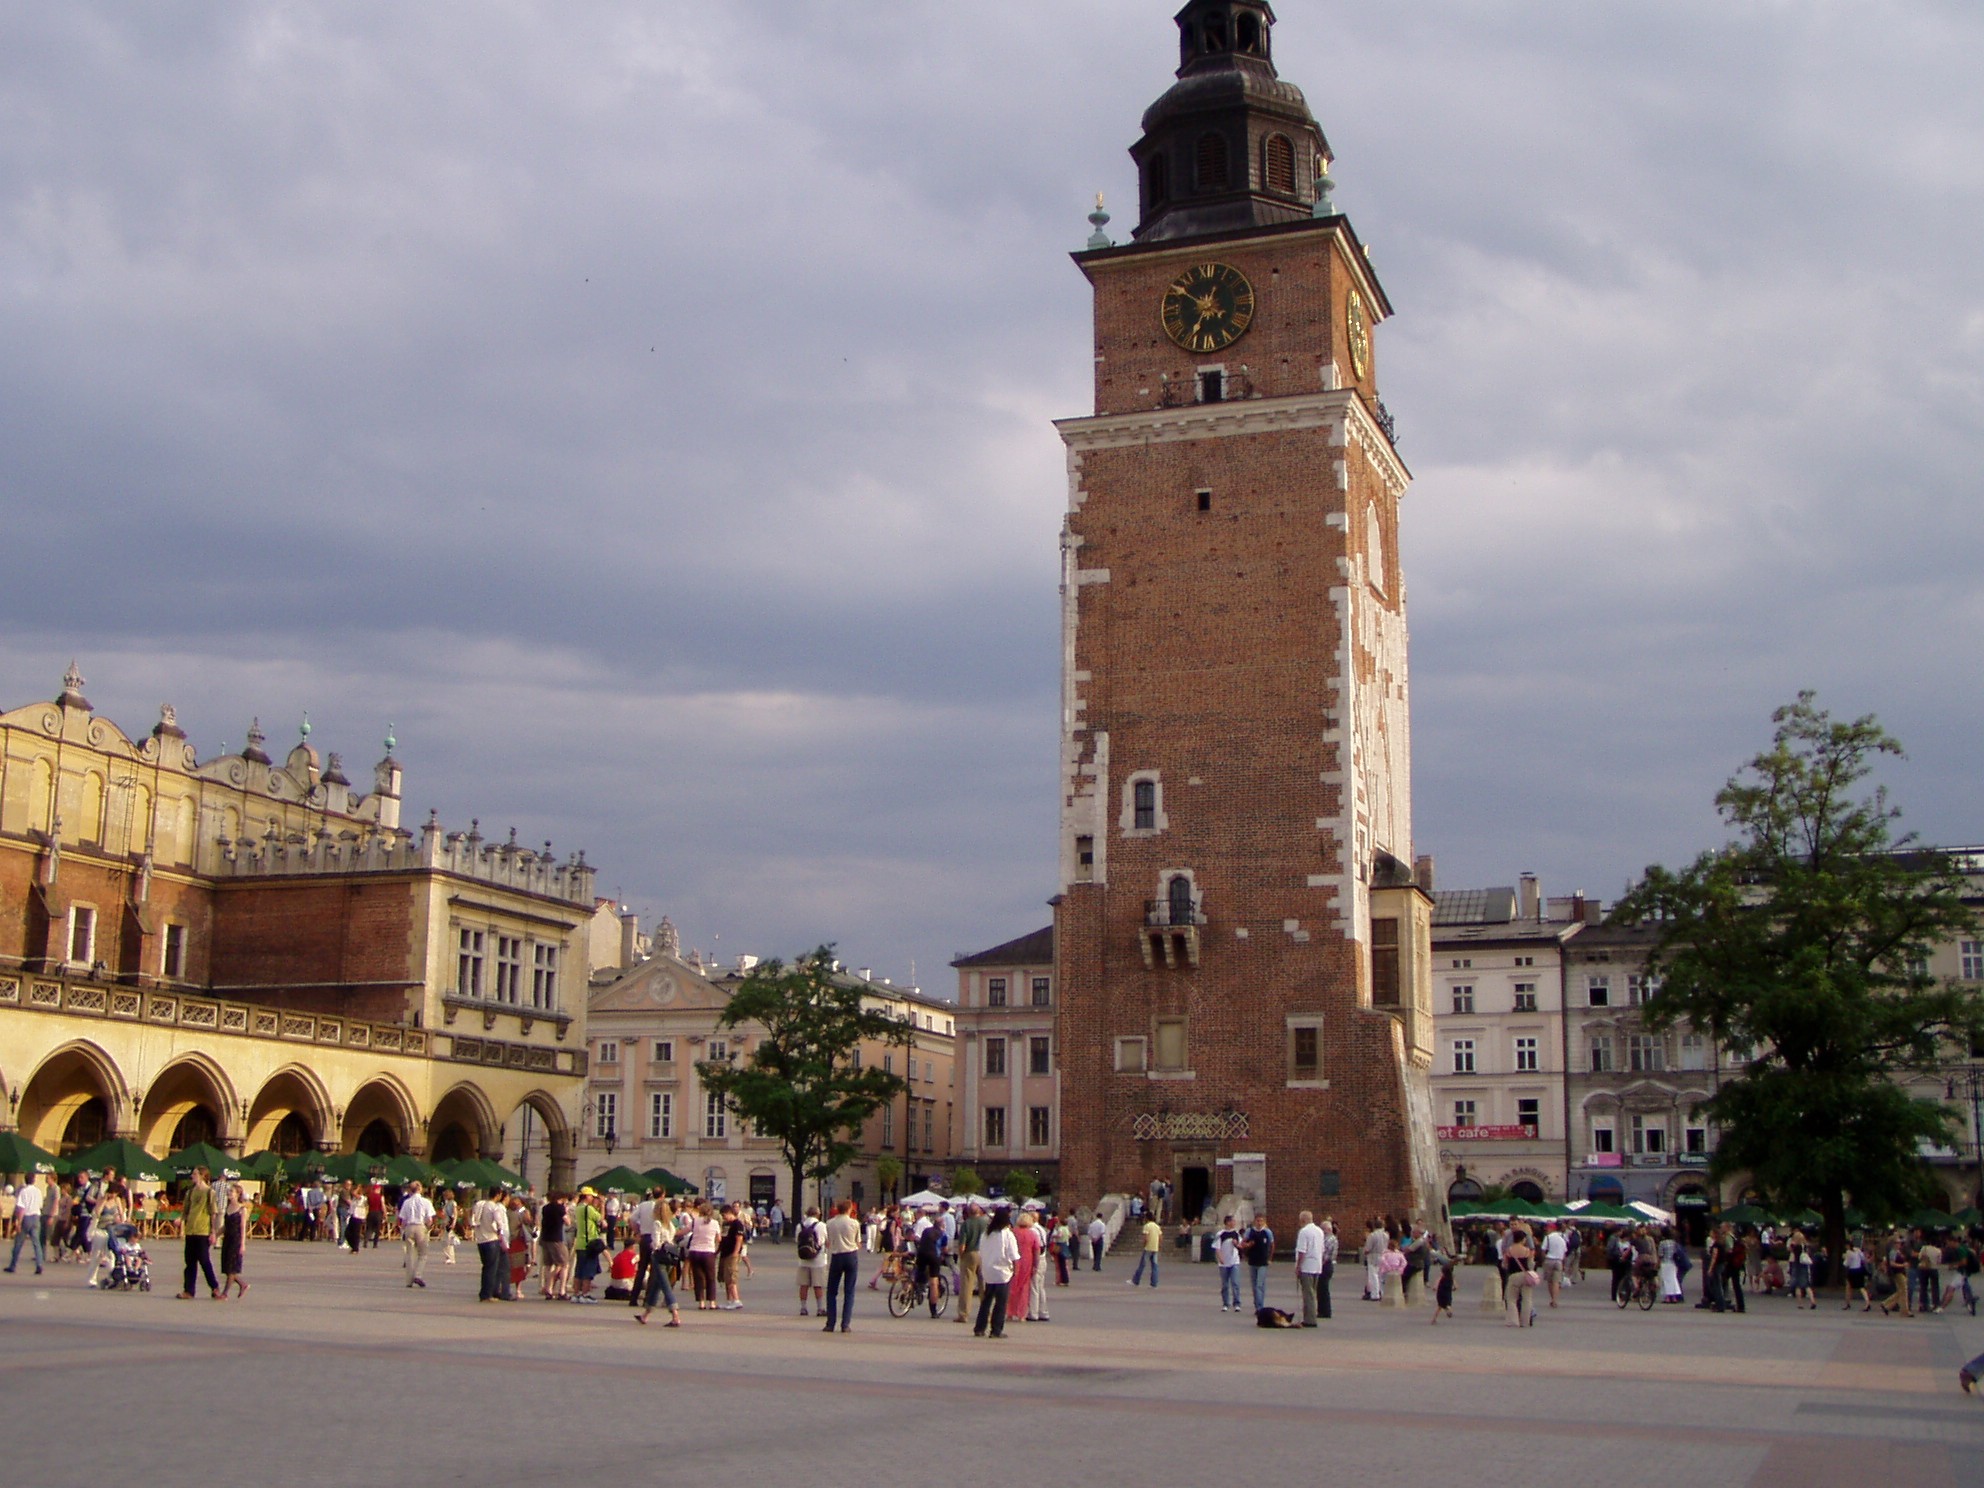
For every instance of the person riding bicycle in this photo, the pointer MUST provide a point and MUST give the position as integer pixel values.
(932, 1248)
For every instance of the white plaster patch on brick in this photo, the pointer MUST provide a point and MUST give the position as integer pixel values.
(1338, 520)
(1291, 926)
(1300, 937)
(1323, 822)
(1195, 781)
(1340, 475)
(1321, 880)
(1241, 933)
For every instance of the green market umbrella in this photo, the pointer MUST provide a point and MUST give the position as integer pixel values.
(480, 1172)
(203, 1155)
(1747, 1214)
(354, 1167)
(1931, 1219)
(1463, 1209)
(19, 1155)
(1969, 1216)
(262, 1166)
(622, 1179)
(1600, 1212)
(303, 1164)
(406, 1168)
(1806, 1219)
(128, 1158)
(669, 1181)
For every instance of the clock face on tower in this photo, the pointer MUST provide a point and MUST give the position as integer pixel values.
(1357, 327)
(1208, 307)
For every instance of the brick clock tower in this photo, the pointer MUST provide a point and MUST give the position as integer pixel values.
(1241, 936)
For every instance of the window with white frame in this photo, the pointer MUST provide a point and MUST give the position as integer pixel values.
(609, 1051)
(468, 963)
(1694, 1139)
(929, 1126)
(1694, 1052)
(995, 1126)
(1601, 1136)
(1039, 1056)
(1039, 1126)
(1529, 1113)
(995, 1056)
(172, 963)
(1525, 960)
(1042, 989)
(889, 1126)
(995, 992)
(544, 977)
(1132, 1055)
(1463, 1056)
(1970, 957)
(1464, 1113)
(1526, 1054)
(1646, 1052)
(661, 1114)
(1142, 811)
(664, 1051)
(82, 935)
(1601, 1054)
(1641, 990)
(1144, 805)
(605, 1113)
(719, 1049)
(1598, 991)
(716, 1117)
(1464, 998)
(1525, 997)
(509, 968)
(1649, 1135)
(1305, 1049)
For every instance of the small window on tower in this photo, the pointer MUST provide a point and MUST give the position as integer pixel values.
(1212, 386)
(1278, 164)
(1212, 162)
(1084, 857)
(1248, 30)
(1157, 182)
(1205, 501)
(1384, 963)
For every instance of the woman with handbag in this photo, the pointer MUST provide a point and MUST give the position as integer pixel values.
(664, 1254)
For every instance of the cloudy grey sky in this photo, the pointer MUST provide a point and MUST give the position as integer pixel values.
(645, 407)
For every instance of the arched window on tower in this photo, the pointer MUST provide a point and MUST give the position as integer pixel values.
(1248, 33)
(1212, 162)
(1212, 38)
(1144, 797)
(1178, 896)
(1157, 182)
(1278, 164)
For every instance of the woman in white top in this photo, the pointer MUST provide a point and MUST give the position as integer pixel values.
(1670, 1269)
(998, 1254)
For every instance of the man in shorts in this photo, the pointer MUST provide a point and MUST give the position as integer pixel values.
(1555, 1248)
(810, 1241)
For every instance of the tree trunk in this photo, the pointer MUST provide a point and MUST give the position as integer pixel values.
(1833, 1206)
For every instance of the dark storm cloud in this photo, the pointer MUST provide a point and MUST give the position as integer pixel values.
(645, 407)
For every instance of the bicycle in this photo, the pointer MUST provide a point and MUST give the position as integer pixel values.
(1640, 1287)
(905, 1294)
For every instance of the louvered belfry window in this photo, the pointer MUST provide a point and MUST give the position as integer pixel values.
(1278, 164)
(1212, 162)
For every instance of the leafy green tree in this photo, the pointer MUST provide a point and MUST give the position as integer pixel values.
(966, 1181)
(1020, 1185)
(888, 1175)
(804, 1085)
(1803, 948)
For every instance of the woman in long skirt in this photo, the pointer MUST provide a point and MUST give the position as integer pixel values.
(1026, 1230)
(1670, 1272)
(234, 1242)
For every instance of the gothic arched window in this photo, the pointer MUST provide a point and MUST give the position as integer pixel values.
(1178, 896)
(1212, 162)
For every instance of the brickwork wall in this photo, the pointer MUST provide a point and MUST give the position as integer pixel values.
(269, 935)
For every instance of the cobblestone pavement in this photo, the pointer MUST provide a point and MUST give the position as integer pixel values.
(333, 1353)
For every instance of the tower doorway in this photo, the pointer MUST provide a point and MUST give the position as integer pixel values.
(1194, 1193)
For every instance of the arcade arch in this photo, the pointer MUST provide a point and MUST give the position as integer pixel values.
(190, 1100)
(463, 1125)
(379, 1119)
(73, 1099)
(291, 1113)
(538, 1142)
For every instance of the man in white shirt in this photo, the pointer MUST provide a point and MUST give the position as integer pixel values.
(643, 1223)
(1098, 1237)
(489, 1228)
(843, 1261)
(1308, 1264)
(416, 1218)
(27, 1224)
(1555, 1248)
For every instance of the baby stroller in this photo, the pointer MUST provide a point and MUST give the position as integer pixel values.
(130, 1267)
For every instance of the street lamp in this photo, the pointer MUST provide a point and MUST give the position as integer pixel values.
(1970, 1085)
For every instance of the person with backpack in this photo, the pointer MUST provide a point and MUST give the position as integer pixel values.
(809, 1243)
(931, 1248)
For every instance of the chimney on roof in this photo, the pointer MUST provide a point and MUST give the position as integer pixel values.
(867, 973)
(1529, 898)
(630, 939)
(1422, 873)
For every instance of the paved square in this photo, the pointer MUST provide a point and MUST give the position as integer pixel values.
(332, 1354)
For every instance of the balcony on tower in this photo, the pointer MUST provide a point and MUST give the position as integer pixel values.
(1170, 931)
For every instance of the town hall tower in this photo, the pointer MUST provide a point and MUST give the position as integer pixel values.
(1242, 938)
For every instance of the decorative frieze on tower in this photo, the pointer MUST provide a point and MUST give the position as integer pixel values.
(1243, 944)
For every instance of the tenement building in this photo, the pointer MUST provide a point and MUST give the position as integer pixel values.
(1633, 1090)
(655, 1018)
(1498, 957)
(1241, 943)
(257, 954)
(1010, 1101)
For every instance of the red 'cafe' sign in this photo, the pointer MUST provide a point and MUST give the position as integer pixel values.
(1486, 1133)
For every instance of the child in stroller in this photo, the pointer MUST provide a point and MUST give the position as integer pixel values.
(130, 1267)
